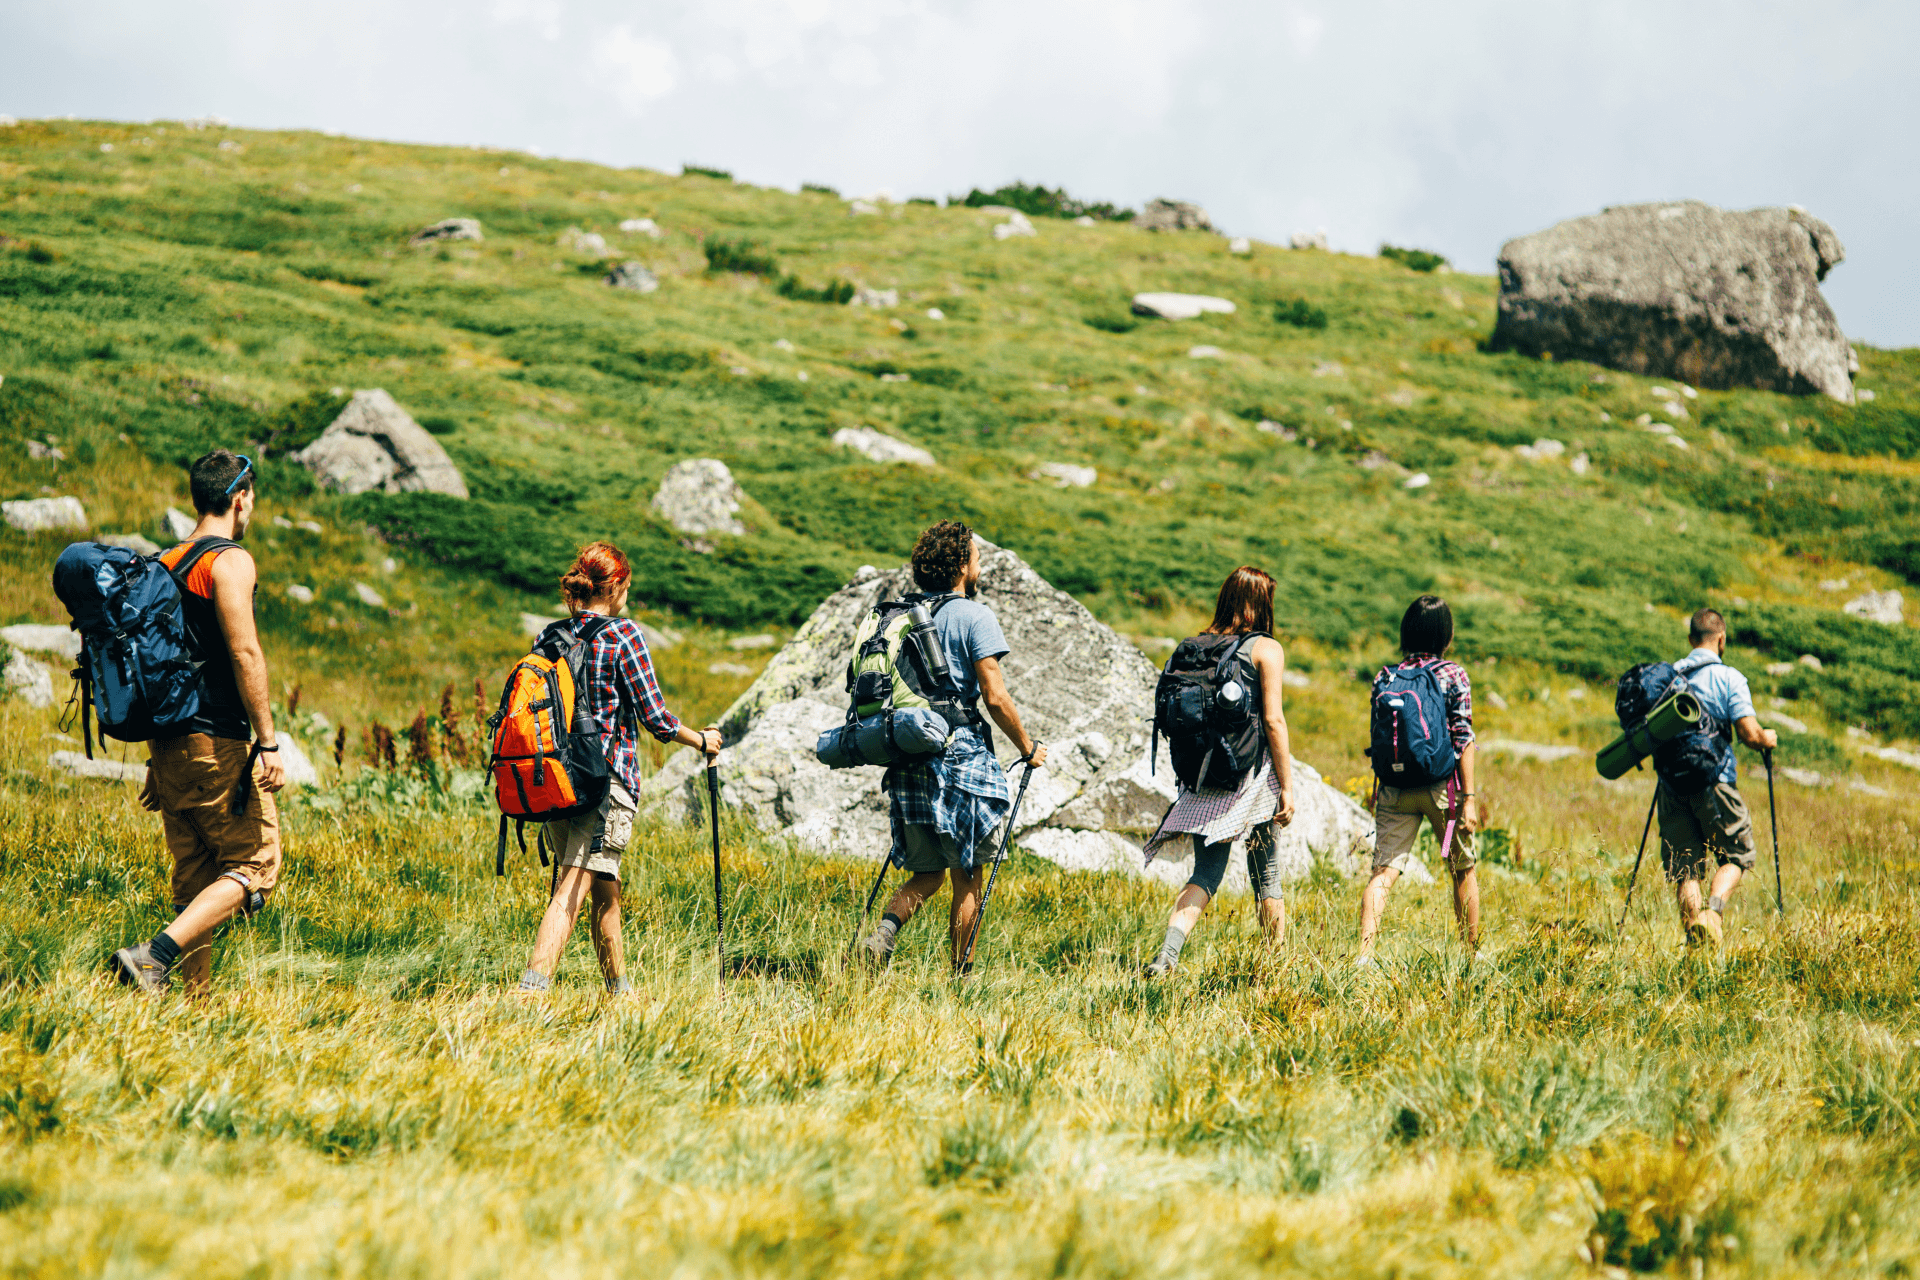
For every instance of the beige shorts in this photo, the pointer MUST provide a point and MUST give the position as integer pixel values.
(190, 780)
(1700, 831)
(1397, 815)
(598, 839)
(929, 849)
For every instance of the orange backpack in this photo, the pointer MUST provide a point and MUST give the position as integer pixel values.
(547, 765)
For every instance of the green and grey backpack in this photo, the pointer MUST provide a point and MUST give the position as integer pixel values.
(903, 703)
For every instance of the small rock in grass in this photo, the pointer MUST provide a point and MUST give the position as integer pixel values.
(39, 515)
(1205, 351)
(641, 226)
(77, 764)
(139, 544)
(1418, 480)
(43, 637)
(589, 244)
(882, 298)
(1180, 306)
(300, 594)
(368, 596)
(728, 669)
(1884, 607)
(1810, 662)
(1066, 475)
(1779, 668)
(881, 448)
(28, 678)
(1015, 225)
(751, 642)
(1240, 245)
(700, 496)
(448, 229)
(633, 277)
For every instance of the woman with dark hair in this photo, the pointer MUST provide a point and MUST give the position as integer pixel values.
(1255, 810)
(1426, 633)
(618, 684)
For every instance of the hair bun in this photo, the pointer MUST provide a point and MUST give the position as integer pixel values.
(600, 567)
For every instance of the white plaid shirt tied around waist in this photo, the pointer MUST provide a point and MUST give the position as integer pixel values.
(1221, 817)
(961, 793)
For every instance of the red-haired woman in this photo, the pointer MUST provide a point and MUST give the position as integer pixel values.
(1262, 803)
(618, 684)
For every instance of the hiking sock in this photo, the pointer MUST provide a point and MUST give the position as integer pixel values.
(534, 980)
(1170, 949)
(886, 934)
(164, 950)
(1718, 905)
(618, 986)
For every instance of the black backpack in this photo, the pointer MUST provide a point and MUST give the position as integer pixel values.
(1207, 707)
(1691, 762)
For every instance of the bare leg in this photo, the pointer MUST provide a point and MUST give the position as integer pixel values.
(1466, 907)
(1373, 904)
(1273, 919)
(604, 923)
(1687, 894)
(192, 931)
(913, 895)
(1725, 881)
(966, 908)
(557, 925)
(1187, 908)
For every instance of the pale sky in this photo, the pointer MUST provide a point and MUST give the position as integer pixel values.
(1444, 126)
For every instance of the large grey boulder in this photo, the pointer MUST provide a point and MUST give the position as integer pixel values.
(1081, 688)
(699, 496)
(375, 445)
(1173, 215)
(1684, 290)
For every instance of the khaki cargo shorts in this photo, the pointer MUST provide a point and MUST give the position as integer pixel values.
(928, 849)
(1701, 831)
(596, 840)
(1397, 814)
(190, 781)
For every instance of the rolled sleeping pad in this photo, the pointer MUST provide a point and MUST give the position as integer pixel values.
(917, 734)
(1671, 718)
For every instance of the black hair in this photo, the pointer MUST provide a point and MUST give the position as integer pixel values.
(1704, 625)
(212, 475)
(1426, 627)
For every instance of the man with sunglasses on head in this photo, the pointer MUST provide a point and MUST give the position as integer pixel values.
(211, 786)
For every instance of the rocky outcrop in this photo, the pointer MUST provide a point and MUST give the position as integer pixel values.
(43, 515)
(1180, 306)
(877, 447)
(1682, 290)
(633, 276)
(1172, 215)
(376, 446)
(43, 637)
(699, 496)
(1884, 607)
(1081, 687)
(448, 229)
(26, 678)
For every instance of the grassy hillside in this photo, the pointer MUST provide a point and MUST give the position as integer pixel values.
(197, 286)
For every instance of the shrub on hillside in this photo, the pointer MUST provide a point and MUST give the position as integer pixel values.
(820, 189)
(1416, 259)
(838, 292)
(740, 255)
(1042, 202)
(1299, 313)
(702, 171)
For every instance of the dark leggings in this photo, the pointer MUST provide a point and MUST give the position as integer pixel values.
(1210, 864)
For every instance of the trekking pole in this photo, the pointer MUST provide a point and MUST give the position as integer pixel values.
(1006, 846)
(719, 907)
(1635, 877)
(1779, 898)
(873, 894)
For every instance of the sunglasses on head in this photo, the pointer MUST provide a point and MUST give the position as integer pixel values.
(245, 471)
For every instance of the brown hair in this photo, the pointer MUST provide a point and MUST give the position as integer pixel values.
(1704, 625)
(1245, 603)
(941, 555)
(599, 568)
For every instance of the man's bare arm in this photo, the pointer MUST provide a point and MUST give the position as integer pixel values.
(1754, 736)
(993, 689)
(233, 583)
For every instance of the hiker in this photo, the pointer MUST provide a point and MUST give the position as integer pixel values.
(1711, 825)
(1422, 739)
(1254, 810)
(224, 863)
(947, 809)
(618, 685)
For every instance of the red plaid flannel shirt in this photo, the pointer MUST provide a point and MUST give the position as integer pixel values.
(619, 675)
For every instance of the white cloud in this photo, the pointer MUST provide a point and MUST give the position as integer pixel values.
(542, 15)
(638, 70)
(855, 67)
(1304, 29)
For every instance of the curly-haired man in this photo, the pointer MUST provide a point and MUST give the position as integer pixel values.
(947, 809)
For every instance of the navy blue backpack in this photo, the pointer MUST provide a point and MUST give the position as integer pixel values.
(1411, 744)
(1691, 762)
(139, 668)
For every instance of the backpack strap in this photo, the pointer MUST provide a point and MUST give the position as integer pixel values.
(198, 550)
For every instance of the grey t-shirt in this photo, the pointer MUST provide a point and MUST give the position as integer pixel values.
(970, 632)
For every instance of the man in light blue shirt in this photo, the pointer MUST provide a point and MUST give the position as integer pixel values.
(1711, 830)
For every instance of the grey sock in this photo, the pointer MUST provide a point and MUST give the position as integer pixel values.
(618, 986)
(885, 935)
(1170, 949)
(534, 980)
(1717, 904)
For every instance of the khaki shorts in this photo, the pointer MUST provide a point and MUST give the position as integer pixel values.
(1397, 815)
(597, 840)
(929, 849)
(191, 780)
(1715, 822)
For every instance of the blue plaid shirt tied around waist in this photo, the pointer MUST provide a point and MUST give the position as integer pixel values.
(962, 793)
(619, 675)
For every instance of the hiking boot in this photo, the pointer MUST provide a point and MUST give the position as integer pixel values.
(1362, 964)
(1160, 968)
(135, 967)
(1706, 930)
